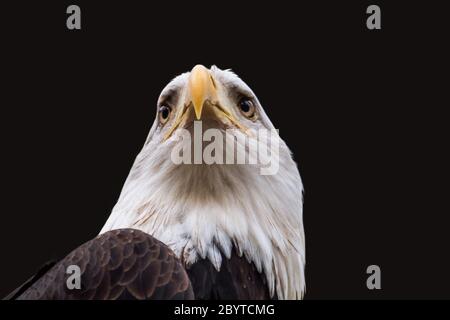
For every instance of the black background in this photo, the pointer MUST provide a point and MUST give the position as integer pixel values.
(361, 110)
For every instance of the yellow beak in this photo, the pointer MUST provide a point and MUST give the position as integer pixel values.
(201, 88)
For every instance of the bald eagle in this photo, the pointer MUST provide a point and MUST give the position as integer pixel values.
(223, 230)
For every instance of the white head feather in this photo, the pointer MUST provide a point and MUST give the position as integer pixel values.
(201, 211)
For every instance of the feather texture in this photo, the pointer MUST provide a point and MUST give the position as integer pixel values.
(120, 264)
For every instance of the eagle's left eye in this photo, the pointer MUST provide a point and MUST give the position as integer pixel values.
(247, 107)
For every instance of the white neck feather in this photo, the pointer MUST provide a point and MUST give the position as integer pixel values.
(200, 211)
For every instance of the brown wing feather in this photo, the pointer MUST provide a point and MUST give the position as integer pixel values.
(119, 264)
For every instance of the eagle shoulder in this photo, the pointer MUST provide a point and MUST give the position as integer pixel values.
(119, 264)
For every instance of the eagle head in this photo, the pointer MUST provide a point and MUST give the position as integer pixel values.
(214, 176)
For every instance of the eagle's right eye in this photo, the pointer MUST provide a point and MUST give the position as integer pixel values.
(164, 113)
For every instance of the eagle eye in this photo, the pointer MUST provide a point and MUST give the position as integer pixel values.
(247, 107)
(164, 113)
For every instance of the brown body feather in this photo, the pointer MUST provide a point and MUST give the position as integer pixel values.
(237, 279)
(130, 264)
(120, 264)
